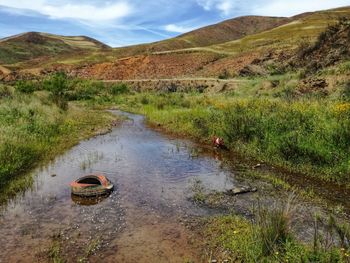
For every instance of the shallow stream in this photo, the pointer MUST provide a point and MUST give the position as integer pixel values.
(143, 220)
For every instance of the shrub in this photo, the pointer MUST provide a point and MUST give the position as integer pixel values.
(85, 89)
(120, 88)
(144, 100)
(25, 86)
(58, 85)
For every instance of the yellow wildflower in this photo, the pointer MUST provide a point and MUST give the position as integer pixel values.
(341, 108)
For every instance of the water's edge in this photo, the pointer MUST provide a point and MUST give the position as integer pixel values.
(143, 219)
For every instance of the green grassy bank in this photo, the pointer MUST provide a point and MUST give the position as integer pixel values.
(308, 135)
(304, 131)
(271, 239)
(33, 128)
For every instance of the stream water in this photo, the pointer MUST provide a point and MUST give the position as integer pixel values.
(143, 220)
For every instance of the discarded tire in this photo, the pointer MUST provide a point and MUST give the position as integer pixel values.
(91, 185)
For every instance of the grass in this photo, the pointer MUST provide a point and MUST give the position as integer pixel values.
(265, 118)
(271, 239)
(306, 134)
(34, 129)
(54, 252)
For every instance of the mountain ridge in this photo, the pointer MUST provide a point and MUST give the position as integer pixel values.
(249, 41)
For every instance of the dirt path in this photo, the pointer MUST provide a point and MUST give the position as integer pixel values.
(179, 79)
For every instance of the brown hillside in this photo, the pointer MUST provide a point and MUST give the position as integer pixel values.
(214, 34)
(261, 53)
(149, 66)
(232, 29)
(332, 46)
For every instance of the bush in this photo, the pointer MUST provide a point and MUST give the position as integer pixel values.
(85, 89)
(144, 100)
(58, 85)
(25, 86)
(120, 88)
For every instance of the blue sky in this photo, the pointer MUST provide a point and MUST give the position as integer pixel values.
(127, 22)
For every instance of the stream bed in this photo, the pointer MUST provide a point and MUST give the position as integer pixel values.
(143, 220)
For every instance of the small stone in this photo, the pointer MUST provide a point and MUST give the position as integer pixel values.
(214, 261)
(241, 190)
(257, 166)
(53, 175)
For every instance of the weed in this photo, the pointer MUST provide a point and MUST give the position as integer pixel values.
(271, 239)
(198, 190)
(274, 227)
(55, 252)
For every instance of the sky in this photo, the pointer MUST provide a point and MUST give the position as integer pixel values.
(128, 22)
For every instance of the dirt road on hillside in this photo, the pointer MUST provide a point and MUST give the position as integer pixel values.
(178, 79)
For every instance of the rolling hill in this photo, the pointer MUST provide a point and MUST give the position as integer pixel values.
(34, 45)
(228, 58)
(214, 34)
(250, 44)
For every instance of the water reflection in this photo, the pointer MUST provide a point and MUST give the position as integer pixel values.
(89, 201)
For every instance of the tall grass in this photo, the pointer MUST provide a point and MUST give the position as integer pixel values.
(34, 128)
(275, 227)
(271, 238)
(307, 133)
(311, 135)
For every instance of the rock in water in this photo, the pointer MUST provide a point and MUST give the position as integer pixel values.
(241, 190)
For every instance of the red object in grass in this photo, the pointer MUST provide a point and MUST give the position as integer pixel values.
(218, 142)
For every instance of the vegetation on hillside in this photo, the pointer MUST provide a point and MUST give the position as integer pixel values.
(33, 45)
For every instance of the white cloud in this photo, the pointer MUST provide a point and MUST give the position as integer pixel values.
(177, 28)
(269, 7)
(83, 12)
(225, 7)
(206, 4)
(294, 7)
